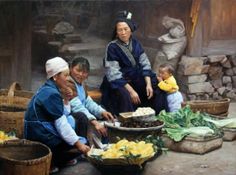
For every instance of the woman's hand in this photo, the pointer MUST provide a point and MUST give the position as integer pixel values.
(82, 147)
(149, 89)
(99, 128)
(133, 94)
(134, 97)
(108, 116)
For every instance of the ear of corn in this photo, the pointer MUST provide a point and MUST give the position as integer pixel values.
(126, 149)
(4, 136)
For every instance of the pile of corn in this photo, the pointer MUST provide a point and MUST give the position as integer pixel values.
(5, 137)
(125, 148)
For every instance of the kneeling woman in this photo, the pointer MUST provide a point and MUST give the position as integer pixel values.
(45, 121)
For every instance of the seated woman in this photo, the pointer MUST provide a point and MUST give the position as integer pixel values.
(83, 103)
(129, 81)
(45, 121)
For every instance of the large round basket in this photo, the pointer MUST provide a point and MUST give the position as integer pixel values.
(116, 132)
(15, 90)
(23, 157)
(214, 107)
(14, 96)
(12, 122)
(13, 103)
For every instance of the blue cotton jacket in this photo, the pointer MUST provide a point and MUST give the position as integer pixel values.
(85, 104)
(46, 106)
(125, 62)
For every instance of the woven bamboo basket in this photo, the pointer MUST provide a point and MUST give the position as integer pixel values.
(16, 90)
(12, 121)
(23, 157)
(14, 97)
(13, 103)
(214, 107)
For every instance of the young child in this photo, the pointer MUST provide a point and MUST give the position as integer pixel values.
(67, 95)
(168, 83)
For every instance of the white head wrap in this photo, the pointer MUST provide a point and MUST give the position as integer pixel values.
(55, 65)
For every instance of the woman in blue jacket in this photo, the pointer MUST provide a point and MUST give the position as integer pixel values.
(129, 81)
(83, 103)
(46, 122)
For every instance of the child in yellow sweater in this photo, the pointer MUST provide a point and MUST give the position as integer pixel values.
(168, 83)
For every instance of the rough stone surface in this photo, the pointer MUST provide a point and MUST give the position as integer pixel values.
(231, 94)
(200, 87)
(226, 79)
(216, 83)
(192, 97)
(232, 58)
(190, 65)
(229, 72)
(215, 72)
(215, 95)
(234, 70)
(216, 58)
(221, 90)
(229, 86)
(226, 64)
(205, 69)
(206, 97)
(234, 81)
(197, 78)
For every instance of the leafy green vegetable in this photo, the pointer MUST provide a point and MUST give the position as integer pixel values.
(228, 123)
(184, 122)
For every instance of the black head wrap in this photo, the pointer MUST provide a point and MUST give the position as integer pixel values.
(124, 16)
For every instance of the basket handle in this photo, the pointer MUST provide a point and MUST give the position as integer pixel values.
(14, 86)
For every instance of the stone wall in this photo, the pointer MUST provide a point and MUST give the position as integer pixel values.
(210, 77)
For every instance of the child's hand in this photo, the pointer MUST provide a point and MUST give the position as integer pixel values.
(68, 93)
(159, 79)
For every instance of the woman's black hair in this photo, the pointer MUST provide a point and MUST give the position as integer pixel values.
(122, 16)
(82, 62)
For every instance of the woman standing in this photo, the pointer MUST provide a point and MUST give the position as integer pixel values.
(45, 121)
(129, 81)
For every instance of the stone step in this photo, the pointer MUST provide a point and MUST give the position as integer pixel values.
(80, 47)
(72, 38)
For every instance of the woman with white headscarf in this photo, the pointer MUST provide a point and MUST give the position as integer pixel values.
(44, 118)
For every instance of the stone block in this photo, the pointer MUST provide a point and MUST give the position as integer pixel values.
(216, 83)
(234, 70)
(229, 72)
(196, 78)
(206, 96)
(226, 79)
(215, 72)
(232, 58)
(229, 86)
(205, 69)
(190, 65)
(192, 97)
(234, 81)
(231, 94)
(216, 58)
(215, 95)
(226, 64)
(200, 87)
(221, 90)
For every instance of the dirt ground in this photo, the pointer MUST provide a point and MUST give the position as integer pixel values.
(218, 162)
